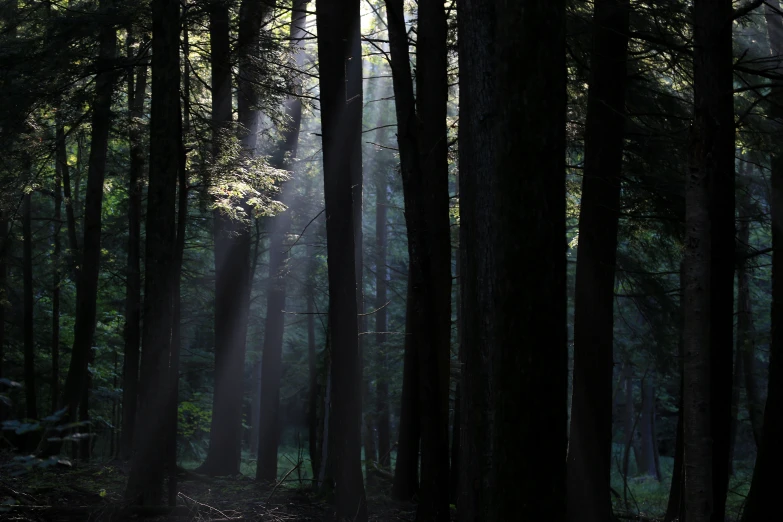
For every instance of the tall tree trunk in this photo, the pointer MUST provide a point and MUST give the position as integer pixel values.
(590, 443)
(530, 291)
(456, 421)
(271, 361)
(735, 402)
(56, 279)
(476, 161)
(629, 427)
(312, 401)
(340, 69)
(675, 510)
(132, 332)
(764, 496)
(709, 266)
(421, 135)
(70, 218)
(89, 262)
(232, 275)
(381, 324)
(746, 334)
(145, 481)
(28, 302)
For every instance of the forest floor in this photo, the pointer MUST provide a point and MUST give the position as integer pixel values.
(94, 492)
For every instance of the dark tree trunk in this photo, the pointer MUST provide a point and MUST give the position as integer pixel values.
(764, 496)
(89, 262)
(530, 291)
(746, 336)
(340, 69)
(476, 160)
(629, 419)
(735, 401)
(70, 218)
(271, 361)
(455, 424)
(28, 302)
(130, 377)
(675, 509)
(421, 134)
(232, 275)
(649, 464)
(590, 443)
(406, 471)
(381, 275)
(56, 278)
(709, 263)
(145, 481)
(312, 402)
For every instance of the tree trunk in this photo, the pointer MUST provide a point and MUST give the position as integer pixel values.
(89, 262)
(735, 401)
(675, 510)
(28, 302)
(381, 325)
(709, 243)
(476, 160)
(4, 245)
(590, 443)
(312, 402)
(232, 275)
(421, 135)
(629, 427)
(530, 291)
(271, 362)
(130, 377)
(145, 481)
(746, 335)
(455, 424)
(764, 496)
(649, 464)
(340, 69)
(56, 279)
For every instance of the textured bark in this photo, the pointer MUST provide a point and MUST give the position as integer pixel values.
(232, 275)
(271, 361)
(31, 409)
(89, 261)
(381, 275)
(454, 471)
(340, 73)
(132, 331)
(590, 443)
(421, 135)
(476, 156)
(4, 245)
(764, 496)
(530, 291)
(145, 481)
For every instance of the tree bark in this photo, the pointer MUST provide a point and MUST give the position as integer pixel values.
(709, 263)
(4, 245)
(763, 496)
(89, 262)
(590, 443)
(675, 509)
(271, 361)
(649, 464)
(476, 28)
(421, 135)
(28, 302)
(56, 279)
(132, 331)
(340, 69)
(145, 481)
(232, 275)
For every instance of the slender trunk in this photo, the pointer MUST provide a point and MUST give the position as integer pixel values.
(676, 507)
(735, 402)
(590, 442)
(271, 361)
(628, 426)
(746, 336)
(476, 158)
(70, 218)
(132, 330)
(145, 481)
(232, 274)
(455, 425)
(340, 70)
(56, 278)
(381, 325)
(89, 262)
(764, 496)
(326, 468)
(28, 301)
(312, 402)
